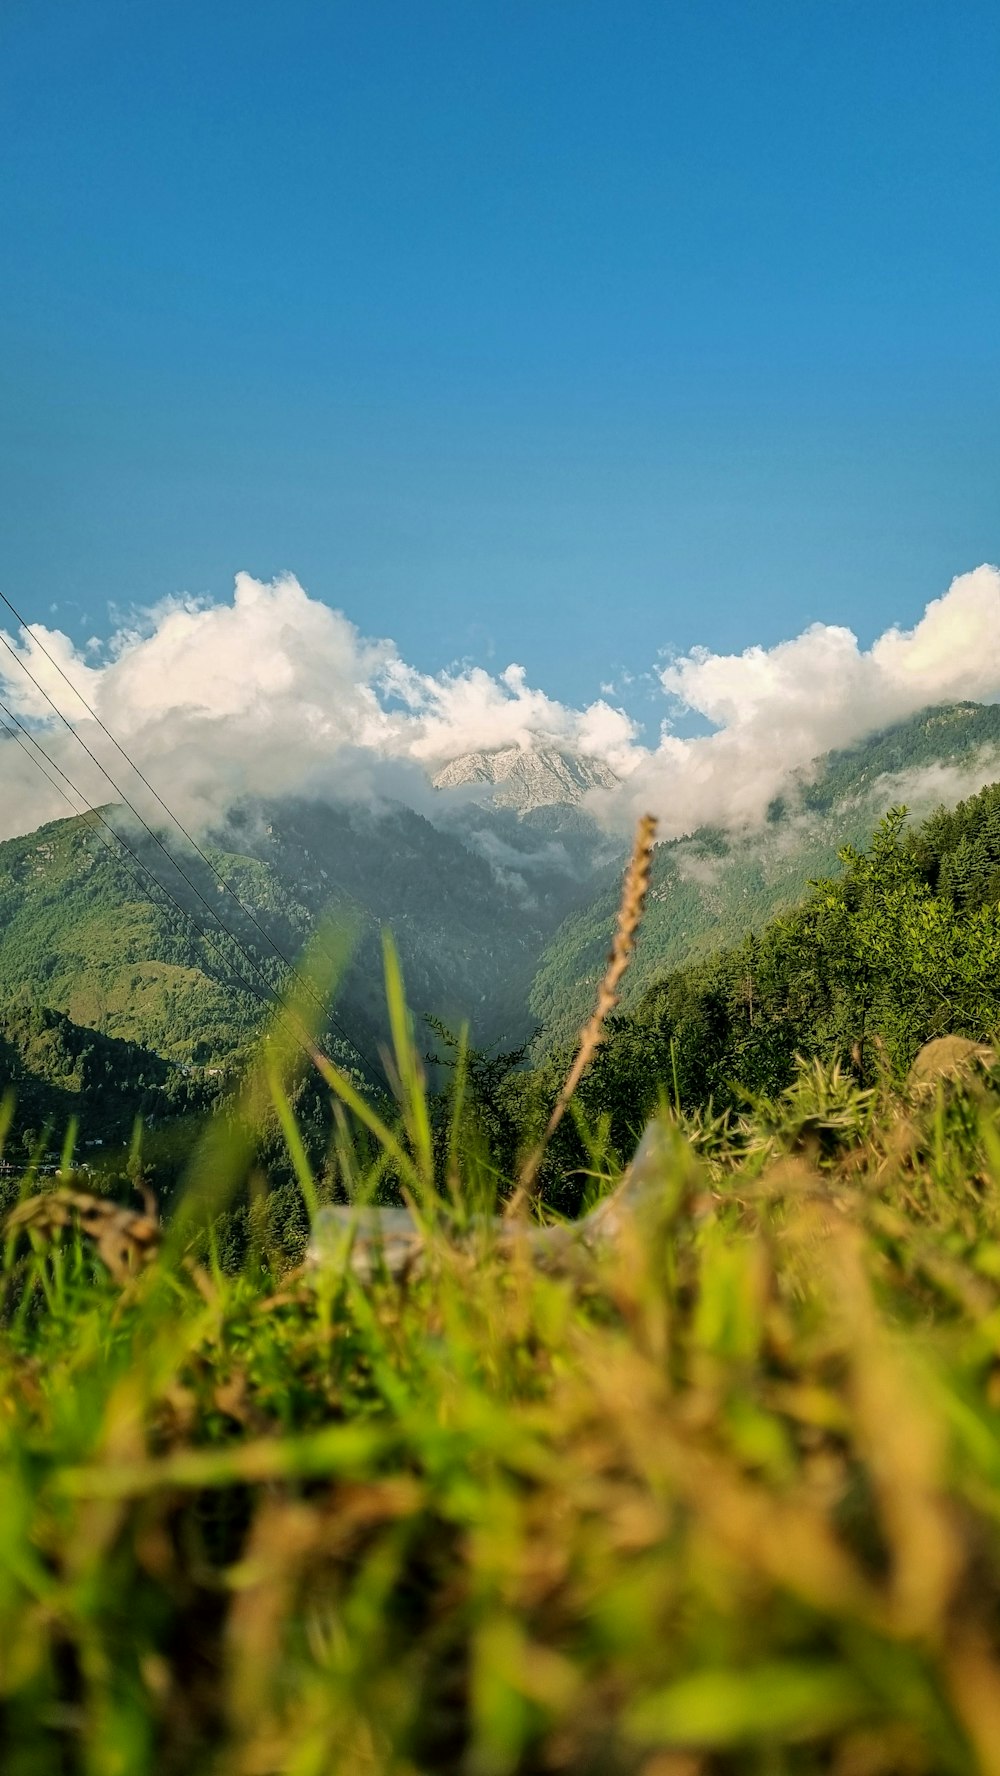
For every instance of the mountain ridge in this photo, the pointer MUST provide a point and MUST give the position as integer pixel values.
(86, 934)
(711, 888)
(502, 915)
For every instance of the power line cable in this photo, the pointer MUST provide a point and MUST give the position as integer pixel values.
(22, 734)
(374, 1071)
(12, 735)
(181, 828)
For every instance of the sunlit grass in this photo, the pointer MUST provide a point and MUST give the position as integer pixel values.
(720, 1495)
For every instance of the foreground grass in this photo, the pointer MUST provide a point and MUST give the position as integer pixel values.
(725, 1499)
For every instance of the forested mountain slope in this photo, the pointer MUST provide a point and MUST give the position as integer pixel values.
(713, 888)
(470, 903)
(83, 932)
(56, 1070)
(901, 946)
(476, 899)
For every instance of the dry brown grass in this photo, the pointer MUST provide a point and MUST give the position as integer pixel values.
(635, 887)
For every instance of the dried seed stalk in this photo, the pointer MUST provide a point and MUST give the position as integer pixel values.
(630, 910)
(125, 1241)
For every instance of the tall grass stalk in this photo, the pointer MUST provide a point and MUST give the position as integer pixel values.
(635, 886)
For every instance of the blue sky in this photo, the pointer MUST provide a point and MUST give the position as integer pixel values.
(554, 330)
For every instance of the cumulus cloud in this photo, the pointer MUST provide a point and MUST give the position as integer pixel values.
(775, 710)
(274, 693)
(471, 711)
(271, 694)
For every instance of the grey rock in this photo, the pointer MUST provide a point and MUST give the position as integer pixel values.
(391, 1240)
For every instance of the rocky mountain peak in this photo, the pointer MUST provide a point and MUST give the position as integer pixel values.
(524, 778)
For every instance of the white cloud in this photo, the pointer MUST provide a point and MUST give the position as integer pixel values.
(274, 692)
(37, 650)
(774, 710)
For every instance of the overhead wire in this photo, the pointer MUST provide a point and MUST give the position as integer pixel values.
(375, 1072)
(270, 998)
(249, 913)
(12, 735)
(25, 738)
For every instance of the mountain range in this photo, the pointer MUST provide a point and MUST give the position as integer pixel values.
(124, 943)
(501, 906)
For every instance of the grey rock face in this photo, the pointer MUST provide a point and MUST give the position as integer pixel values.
(524, 779)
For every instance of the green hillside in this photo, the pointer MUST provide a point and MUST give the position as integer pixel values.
(469, 927)
(712, 888)
(83, 933)
(900, 947)
(57, 1070)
